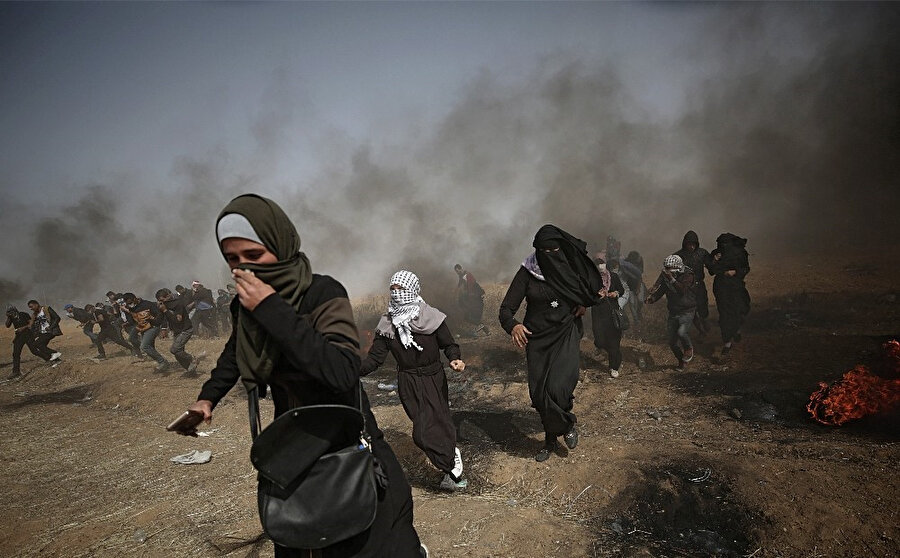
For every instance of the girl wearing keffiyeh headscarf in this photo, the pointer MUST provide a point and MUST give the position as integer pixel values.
(415, 334)
(294, 334)
(558, 281)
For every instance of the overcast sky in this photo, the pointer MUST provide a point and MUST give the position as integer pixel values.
(421, 134)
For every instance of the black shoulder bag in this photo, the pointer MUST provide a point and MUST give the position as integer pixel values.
(317, 483)
(619, 318)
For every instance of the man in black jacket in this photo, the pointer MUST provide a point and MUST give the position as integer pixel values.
(676, 283)
(730, 263)
(696, 258)
(108, 330)
(178, 323)
(147, 321)
(24, 336)
(205, 306)
(86, 320)
(45, 326)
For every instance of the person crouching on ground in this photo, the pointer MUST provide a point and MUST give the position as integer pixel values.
(557, 281)
(676, 283)
(415, 334)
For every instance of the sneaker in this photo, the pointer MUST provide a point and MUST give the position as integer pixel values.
(55, 356)
(613, 373)
(14, 375)
(571, 439)
(447, 483)
(457, 465)
(192, 367)
(544, 454)
(162, 366)
(680, 366)
(423, 550)
(689, 354)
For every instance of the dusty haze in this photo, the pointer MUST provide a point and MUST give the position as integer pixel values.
(791, 138)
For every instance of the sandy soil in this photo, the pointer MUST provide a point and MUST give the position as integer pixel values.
(719, 460)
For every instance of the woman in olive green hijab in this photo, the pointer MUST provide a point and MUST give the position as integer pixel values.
(294, 334)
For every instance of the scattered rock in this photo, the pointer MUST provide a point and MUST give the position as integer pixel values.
(736, 413)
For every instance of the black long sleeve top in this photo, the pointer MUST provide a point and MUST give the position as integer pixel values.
(319, 360)
(407, 359)
(679, 291)
(543, 307)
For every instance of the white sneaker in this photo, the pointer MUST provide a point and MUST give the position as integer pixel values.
(424, 550)
(457, 465)
(55, 356)
(614, 373)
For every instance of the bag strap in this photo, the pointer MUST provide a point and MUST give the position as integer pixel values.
(256, 421)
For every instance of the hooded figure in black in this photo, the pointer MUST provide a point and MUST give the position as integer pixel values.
(730, 263)
(696, 258)
(558, 281)
(294, 334)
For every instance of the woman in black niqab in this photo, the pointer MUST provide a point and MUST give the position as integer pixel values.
(558, 281)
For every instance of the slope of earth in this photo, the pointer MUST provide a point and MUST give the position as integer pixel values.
(719, 460)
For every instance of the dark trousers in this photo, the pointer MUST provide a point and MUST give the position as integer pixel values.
(135, 339)
(26, 339)
(424, 397)
(678, 327)
(178, 342)
(207, 319)
(41, 340)
(111, 333)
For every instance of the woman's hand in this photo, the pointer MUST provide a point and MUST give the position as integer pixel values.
(458, 365)
(579, 311)
(731, 273)
(612, 294)
(251, 290)
(203, 406)
(519, 335)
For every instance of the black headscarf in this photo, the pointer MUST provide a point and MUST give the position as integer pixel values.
(569, 271)
(290, 276)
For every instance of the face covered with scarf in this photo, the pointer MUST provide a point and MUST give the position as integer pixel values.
(255, 235)
(407, 312)
(566, 267)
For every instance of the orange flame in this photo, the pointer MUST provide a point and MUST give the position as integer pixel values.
(860, 392)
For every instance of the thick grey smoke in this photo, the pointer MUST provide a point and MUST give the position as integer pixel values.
(790, 136)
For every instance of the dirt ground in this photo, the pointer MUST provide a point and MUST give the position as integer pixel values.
(719, 460)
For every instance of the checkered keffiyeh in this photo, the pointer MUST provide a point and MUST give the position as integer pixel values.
(404, 305)
(674, 262)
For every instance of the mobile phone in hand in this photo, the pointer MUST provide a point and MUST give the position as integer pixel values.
(186, 423)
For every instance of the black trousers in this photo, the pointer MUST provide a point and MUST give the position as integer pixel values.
(41, 340)
(424, 396)
(114, 335)
(26, 339)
